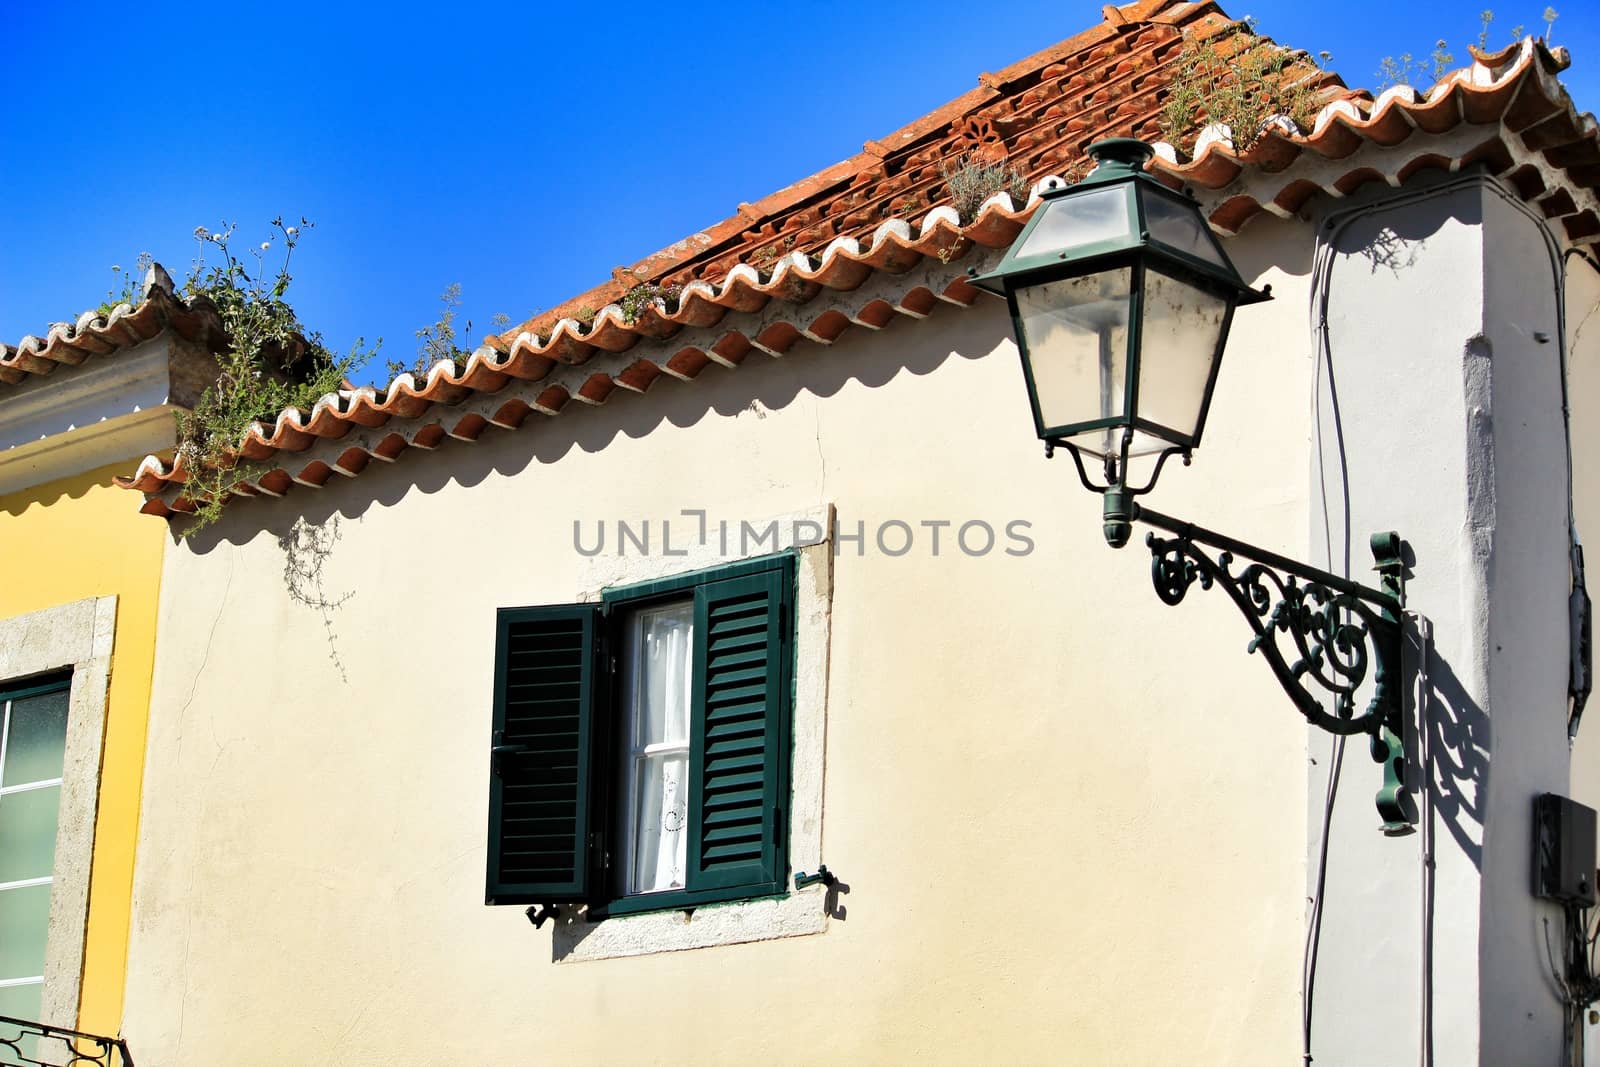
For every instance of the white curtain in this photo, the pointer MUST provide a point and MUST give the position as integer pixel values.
(663, 640)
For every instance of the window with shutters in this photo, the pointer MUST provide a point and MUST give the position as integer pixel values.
(641, 745)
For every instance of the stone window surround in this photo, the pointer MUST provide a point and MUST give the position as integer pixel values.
(809, 534)
(77, 636)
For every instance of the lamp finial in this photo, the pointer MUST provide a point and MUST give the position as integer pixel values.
(1128, 153)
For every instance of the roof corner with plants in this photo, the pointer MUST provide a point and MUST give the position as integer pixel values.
(885, 236)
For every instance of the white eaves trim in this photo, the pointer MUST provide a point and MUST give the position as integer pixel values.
(102, 411)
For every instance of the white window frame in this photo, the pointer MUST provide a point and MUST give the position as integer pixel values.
(633, 755)
(13, 790)
(809, 535)
(78, 637)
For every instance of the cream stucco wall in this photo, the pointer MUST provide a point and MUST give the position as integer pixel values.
(1070, 819)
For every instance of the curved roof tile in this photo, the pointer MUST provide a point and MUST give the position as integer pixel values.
(801, 263)
(98, 333)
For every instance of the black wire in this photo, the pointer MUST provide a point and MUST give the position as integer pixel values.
(1308, 961)
(1322, 286)
(1313, 945)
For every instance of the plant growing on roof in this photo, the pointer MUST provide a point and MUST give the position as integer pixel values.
(268, 361)
(437, 341)
(1408, 70)
(1240, 80)
(972, 180)
(127, 288)
(635, 300)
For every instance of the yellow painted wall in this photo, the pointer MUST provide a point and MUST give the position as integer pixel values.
(68, 540)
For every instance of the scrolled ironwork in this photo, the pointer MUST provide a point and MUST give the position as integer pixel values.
(1309, 634)
(30, 1044)
(1322, 635)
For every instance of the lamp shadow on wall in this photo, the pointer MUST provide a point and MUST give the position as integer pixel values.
(760, 384)
(1458, 749)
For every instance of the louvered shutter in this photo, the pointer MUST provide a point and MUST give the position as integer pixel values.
(543, 801)
(738, 738)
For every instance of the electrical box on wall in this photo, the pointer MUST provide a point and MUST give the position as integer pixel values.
(1563, 850)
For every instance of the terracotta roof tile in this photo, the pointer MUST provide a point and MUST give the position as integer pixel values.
(1507, 112)
(96, 334)
(872, 239)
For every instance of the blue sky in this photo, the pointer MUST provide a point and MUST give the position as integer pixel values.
(520, 150)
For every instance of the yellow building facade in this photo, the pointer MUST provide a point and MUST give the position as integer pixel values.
(77, 644)
(82, 542)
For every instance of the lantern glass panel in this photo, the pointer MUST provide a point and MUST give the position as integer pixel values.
(1075, 221)
(1180, 225)
(1180, 336)
(1108, 442)
(1075, 337)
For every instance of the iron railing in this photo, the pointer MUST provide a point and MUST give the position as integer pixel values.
(30, 1044)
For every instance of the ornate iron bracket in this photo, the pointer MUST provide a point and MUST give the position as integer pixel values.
(1322, 635)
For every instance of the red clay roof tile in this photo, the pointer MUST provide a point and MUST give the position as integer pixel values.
(97, 334)
(840, 249)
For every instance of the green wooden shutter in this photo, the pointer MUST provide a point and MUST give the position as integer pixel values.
(738, 755)
(543, 822)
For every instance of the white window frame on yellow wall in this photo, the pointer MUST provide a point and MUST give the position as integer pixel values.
(74, 637)
(40, 795)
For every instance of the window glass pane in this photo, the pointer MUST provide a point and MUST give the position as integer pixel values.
(24, 918)
(661, 843)
(661, 687)
(1178, 225)
(36, 738)
(28, 833)
(1076, 330)
(656, 691)
(1079, 219)
(1182, 325)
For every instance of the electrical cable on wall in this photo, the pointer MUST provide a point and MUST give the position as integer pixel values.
(1321, 289)
(1323, 371)
(1580, 609)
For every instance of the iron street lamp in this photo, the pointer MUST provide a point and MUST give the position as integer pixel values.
(1121, 300)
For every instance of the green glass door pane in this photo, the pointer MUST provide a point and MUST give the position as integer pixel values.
(20, 1002)
(36, 738)
(24, 920)
(28, 833)
(25, 1002)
